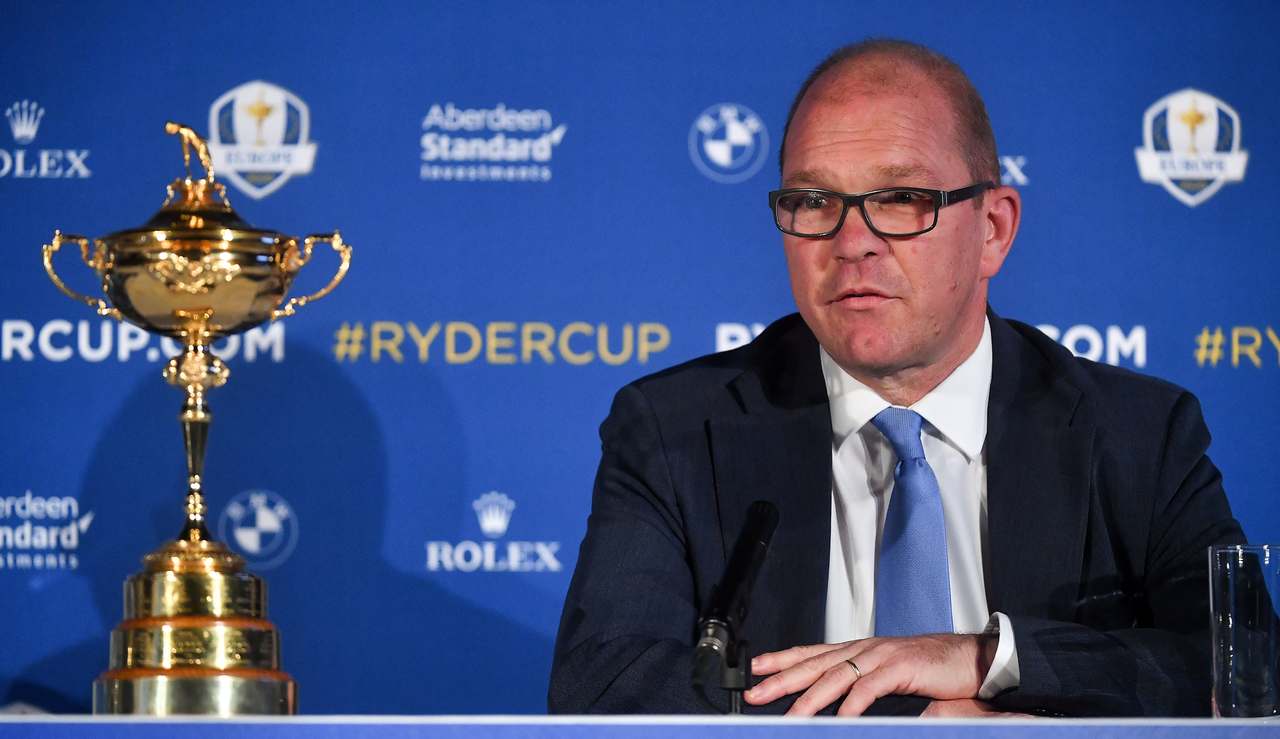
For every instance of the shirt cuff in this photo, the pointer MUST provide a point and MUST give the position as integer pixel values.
(1003, 674)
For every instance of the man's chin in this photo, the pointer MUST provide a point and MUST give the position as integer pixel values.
(867, 361)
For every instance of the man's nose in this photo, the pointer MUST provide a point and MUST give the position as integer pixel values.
(855, 240)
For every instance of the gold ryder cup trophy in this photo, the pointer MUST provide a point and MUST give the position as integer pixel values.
(195, 638)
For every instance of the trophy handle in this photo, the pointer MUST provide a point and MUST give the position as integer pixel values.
(96, 262)
(344, 249)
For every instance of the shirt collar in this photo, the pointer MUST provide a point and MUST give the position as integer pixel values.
(957, 407)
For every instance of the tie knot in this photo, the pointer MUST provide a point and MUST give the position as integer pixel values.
(902, 428)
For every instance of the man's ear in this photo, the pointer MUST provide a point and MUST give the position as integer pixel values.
(1003, 212)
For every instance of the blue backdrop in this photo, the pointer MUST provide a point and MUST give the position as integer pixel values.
(546, 202)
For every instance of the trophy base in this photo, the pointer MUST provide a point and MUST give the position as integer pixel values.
(270, 693)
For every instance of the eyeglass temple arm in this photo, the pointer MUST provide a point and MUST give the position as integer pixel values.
(964, 193)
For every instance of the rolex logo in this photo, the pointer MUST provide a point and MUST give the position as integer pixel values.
(24, 120)
(22, 163)
(494, 511)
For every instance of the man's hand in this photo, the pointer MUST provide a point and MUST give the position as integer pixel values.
(940, 666)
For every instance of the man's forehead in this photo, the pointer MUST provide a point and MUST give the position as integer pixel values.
(823, 176)
(904, 119)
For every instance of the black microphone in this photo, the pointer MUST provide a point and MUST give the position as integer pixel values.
(726, 608)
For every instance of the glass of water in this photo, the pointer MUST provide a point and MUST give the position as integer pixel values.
(1244, 601)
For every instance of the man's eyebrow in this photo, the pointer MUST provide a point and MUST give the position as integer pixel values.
(903, 171)
(805, 177)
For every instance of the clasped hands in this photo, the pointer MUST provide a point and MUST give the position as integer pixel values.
(950, 668)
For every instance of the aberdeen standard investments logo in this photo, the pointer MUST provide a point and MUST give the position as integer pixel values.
(41, 533)
(1191, 146)
(497, 144)
(259, 136)
(728, 143)
(493, 512)
(261, 526)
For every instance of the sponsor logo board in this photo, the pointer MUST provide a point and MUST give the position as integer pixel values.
(1112, 346)
(59, 340)
(41, 532)
(500, 342)
(260, 526)
(1246, 346)
(24, 119)
(497, 144)
(259, 137)
(493, 514)
(1191, 146)
(728, 143)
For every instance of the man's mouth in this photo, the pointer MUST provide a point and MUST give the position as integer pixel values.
(862, 298)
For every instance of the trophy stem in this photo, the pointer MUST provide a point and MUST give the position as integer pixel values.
(195, 417)
(196, 370)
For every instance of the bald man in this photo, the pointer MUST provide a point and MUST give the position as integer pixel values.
(972, 519)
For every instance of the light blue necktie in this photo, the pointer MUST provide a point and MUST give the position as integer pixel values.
(913, 589)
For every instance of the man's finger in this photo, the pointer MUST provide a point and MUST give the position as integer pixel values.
(826, 690)
(771, 662)
(874, 684)
(805, 673)
(793, 679)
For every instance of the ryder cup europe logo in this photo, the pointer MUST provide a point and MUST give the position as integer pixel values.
(1191, 146)
(728, 143)
(259, 137)
(261, 527)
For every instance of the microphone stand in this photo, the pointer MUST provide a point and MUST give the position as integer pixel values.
(735, 668)
(735, 675)
(726, 610)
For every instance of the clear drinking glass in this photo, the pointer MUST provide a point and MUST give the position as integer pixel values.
(1244, 599)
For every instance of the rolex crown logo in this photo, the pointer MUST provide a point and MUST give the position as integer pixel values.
(494, 512)
(24, 120)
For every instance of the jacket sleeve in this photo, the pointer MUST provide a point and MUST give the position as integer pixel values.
(626, 635)
(1160, 664)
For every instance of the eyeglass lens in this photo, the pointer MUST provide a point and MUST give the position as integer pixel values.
(891, 212)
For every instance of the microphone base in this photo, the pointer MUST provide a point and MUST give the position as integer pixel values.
(735, 675)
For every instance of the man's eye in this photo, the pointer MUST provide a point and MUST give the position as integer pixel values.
(814, 201)
(905, 197)
(900, 197)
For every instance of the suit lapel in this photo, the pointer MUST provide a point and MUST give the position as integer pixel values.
(779, 450)
(1038, 466)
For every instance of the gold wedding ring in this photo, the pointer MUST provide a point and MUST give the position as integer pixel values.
(856, 671)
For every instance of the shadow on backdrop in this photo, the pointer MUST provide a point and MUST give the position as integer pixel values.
(358, 636)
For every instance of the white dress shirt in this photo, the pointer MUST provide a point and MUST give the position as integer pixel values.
(954, 436)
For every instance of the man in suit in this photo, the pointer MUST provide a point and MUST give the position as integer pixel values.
(969, 515)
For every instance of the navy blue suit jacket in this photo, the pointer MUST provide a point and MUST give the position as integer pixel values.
(1101, 504)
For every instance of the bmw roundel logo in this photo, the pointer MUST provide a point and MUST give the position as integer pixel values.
(260, 526)
(728, 143)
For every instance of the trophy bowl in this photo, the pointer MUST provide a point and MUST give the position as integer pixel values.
(196, 256)
(195, 638)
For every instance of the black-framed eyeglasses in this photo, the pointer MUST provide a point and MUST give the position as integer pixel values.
(894, 211)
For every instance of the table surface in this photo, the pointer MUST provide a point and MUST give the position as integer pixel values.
(622, 727)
